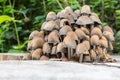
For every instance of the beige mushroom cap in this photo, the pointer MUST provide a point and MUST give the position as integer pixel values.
(51, 16)
(85, 9)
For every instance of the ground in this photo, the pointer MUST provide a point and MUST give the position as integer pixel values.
(56, 70)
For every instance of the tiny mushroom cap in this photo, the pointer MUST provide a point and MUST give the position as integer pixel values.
(74, 16)
(94, 40)
(53, 37)
(95, 19)
(81, 49)
(69, 42)
(94, 14)
(103, 42)
(50, 25)
(64, 30)
(42, 26)
(60, 47)
(36, 54)
(58, 15)
(108, 28)
(85, 30)
(80, 33)
(34, 34)
(85, 10)
(51, 16)
(69, 9)
(73, 35)
(43, 57)
(46, 48)
(36, 43)
(84, 20)
(87, 44)
(108, 35)
(96, 31)
(64, 22)
(71, 19)
(54, 48)
(77, 12)
(27, 56)
(63, 14)
(29, 46)
(93, 54)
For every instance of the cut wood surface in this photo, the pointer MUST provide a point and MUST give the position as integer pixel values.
(57, 70)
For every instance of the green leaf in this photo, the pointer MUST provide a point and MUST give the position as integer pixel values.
(15, 51)
(4, 18)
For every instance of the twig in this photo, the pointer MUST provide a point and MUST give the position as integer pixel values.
(59, 4)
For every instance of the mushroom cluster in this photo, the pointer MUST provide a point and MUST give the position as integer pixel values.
(71, 36)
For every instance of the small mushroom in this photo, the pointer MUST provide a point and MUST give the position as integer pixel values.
(96, 31)
(77, 12)
(81, 35)
(70, 44)
(51, 16)
(27, 56)
(36, 43)
(50, 25)
(84, 20)
(36, 54)
(85, 30)
(93, 55)
(108, 28)
(44, 58)
(36, 34)
(108, 35)
(81, 49)
(64, 22)
(94, 40)
(85, 10)
(53, 37)
(46, 49)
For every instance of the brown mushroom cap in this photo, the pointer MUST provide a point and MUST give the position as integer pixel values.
(51, 16)
(108, 28)
(73, 35)
(85, 30)
(43, 57)
(80, 34)
(96, 31)
(81, 49)
(71, 19)
(46, 48)
(77, 12)
(42, 26)
(63, 14)
(85, 9)
(95, 19)
(27, 56)
(36, 54)
(60, 47)
(69, 9)
(64, 22)
(84, 20)
(53, 37)
(50, 25)
(108, 35)
(54, 48)
(36, 43)
(94, 40)
(93, 54)
(34, 34)
(103, 42)
(69, 42)
(64, 30)
(87, 44)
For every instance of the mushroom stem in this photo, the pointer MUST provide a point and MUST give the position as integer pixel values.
(69, 56)
(71, 52)
(81, 58)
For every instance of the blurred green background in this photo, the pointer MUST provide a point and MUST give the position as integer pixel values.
(19, 17)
